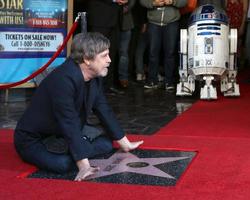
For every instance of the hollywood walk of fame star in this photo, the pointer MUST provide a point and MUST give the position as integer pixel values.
(121, 162)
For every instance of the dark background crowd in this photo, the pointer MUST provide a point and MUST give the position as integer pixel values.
(143, 48)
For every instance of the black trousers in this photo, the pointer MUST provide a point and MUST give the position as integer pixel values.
(37, 153)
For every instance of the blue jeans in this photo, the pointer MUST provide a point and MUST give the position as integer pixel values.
(38, 155)
(166, 37)
(140, 51)
(125, 37)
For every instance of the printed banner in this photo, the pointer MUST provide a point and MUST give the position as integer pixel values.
(31, 31)
(31, 42)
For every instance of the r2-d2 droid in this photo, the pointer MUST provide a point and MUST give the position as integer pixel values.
(208, 53)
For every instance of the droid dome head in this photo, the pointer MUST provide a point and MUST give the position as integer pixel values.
(208, 12)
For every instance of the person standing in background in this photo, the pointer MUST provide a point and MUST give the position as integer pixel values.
(247, 40)
(104, 16)
(125, 37)
(237, 12)
(141, 40)
(163, 30)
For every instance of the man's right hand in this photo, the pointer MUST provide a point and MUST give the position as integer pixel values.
(122, 2)
(85, 169)
(84, 173)
(158, 2)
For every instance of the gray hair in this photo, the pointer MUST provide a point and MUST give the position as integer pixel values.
(88, 45)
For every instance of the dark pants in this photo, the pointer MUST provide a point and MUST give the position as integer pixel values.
(166, 37)
(141, 47)
(38, 155)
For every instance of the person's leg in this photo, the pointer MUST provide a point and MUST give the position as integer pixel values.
(113, 50)
(139, 53)
(170, 40)
(247, 44)
(98, 140)
(101, 145)
(38, 155)
(154, 36)
(123, 54)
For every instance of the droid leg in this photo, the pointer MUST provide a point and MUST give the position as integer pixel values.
(186, 86)
(228, 84)
(229, 87)
(187, 83)
(208, 91)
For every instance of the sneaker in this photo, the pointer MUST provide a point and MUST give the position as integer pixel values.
(169, 87)
(150, 85)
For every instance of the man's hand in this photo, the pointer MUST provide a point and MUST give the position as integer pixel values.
(121, 2)
(84, 173)
(127, 146)
(144, 28)
(158, 2)
(168, 2)
(85, 169)
(125, 9)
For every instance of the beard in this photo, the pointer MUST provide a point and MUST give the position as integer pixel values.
(104, 72)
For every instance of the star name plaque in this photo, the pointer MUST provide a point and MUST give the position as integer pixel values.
(144, 167)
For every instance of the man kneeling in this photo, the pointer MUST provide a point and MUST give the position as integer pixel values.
(53, 132)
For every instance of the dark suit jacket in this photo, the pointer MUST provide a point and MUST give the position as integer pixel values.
(103, 13)
(60, 107)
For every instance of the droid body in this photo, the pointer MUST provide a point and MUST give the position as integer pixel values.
(208, 53)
